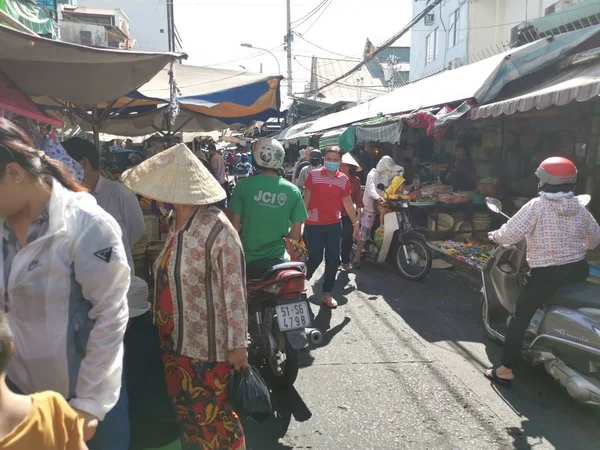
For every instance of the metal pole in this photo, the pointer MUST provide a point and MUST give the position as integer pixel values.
(290, 89)
(96, 128)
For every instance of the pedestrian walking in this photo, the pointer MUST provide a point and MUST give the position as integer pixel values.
(315, 161)
(350, 167)
(326, 191)
(64, 286)
(200, 299)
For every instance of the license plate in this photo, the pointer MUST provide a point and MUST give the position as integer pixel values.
(293, 316)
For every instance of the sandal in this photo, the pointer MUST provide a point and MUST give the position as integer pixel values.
(356, 265)
(493, 377)
(346, 267)
(329, 302)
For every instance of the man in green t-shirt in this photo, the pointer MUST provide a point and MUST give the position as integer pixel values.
(267, 208)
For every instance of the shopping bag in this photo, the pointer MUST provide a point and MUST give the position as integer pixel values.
(296, 249)
(249, 394)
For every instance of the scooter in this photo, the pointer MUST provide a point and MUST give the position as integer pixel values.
(280, 321)
(563, 336)
(402, 245)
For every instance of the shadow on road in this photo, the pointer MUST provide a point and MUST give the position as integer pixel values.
(445, 308)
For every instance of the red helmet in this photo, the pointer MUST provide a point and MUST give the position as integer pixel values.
(557, 170)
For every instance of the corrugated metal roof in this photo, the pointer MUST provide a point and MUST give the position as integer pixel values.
(349, 89)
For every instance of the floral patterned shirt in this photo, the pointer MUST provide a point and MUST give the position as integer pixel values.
(558, 230)
(207, 279)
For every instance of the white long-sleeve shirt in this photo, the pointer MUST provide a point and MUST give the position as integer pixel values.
(371, 194)
(558, 229)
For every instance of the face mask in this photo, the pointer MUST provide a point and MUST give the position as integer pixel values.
(332, 166)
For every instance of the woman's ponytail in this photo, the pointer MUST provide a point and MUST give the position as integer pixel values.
(17, 147)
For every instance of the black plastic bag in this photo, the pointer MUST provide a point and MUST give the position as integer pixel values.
(250, 395)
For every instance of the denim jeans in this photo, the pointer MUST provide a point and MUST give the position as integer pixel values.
(347, 239)
(113, 431)
(323, 239)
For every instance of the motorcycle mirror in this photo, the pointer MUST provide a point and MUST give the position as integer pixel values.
(584, 199)
(381, 187)
(494, 205)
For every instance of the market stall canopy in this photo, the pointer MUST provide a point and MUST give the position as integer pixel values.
(153, 121)
(293, 132)
(341, 137)
(578, 83)
(480, 81)
(75, 73)
(14, 100)
(214, 92)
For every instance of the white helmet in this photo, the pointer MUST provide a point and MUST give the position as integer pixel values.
(268, 153)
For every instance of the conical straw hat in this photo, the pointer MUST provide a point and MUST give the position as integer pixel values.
(175, 176)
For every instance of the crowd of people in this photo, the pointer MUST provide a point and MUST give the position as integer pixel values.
(68, 274)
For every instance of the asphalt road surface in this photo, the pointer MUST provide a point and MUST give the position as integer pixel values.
(401, 368)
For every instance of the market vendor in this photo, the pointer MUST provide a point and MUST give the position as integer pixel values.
(462, 174)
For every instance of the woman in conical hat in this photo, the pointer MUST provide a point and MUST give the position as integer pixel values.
(200, 296)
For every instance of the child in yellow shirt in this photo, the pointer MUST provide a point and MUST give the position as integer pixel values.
(42, 421)
(394, 191)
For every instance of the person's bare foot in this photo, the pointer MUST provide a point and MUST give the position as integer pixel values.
(329, 301)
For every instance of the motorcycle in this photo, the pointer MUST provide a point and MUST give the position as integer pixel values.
(563, 336)
(280, 321)
(403, 245)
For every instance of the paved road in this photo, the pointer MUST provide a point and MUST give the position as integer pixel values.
(401, 367)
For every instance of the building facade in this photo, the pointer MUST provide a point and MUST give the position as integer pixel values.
(95, 27)
(459, 32)
(148, 20)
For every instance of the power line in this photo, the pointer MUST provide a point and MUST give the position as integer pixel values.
(319, 16)
(310, 14)
(301, 36)
(385, 45)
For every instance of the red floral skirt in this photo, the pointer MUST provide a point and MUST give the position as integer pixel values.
(198, 389)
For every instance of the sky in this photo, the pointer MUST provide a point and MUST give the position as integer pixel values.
(212, 32)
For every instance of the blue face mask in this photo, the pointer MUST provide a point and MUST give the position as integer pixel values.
(331, 166)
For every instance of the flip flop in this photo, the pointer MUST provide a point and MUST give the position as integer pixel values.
(332, 304)
(493, 377)
(356, 265)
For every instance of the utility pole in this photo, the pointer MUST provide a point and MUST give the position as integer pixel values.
(288, 41)
(171, 25)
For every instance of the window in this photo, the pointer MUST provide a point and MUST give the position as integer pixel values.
(454, 30)
(431, 46)
(85, 37)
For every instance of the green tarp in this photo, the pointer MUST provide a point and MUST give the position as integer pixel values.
(343, 138)
(577, 12)
(31, 16)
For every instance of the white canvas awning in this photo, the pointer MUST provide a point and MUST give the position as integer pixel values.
(75, 73)
(580, 83)
(293, 132)
(150, 123)
(481, 81)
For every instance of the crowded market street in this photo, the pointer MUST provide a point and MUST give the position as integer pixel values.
(401, 368)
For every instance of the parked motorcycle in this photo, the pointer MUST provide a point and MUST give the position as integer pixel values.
(403, 246)
(280, 321)
(563, 336)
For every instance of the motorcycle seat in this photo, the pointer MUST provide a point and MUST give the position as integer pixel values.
(299, 266)
(577, 295)
(261, 270)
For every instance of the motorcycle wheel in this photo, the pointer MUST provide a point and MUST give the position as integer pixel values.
(420, 258)
(283, 371)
